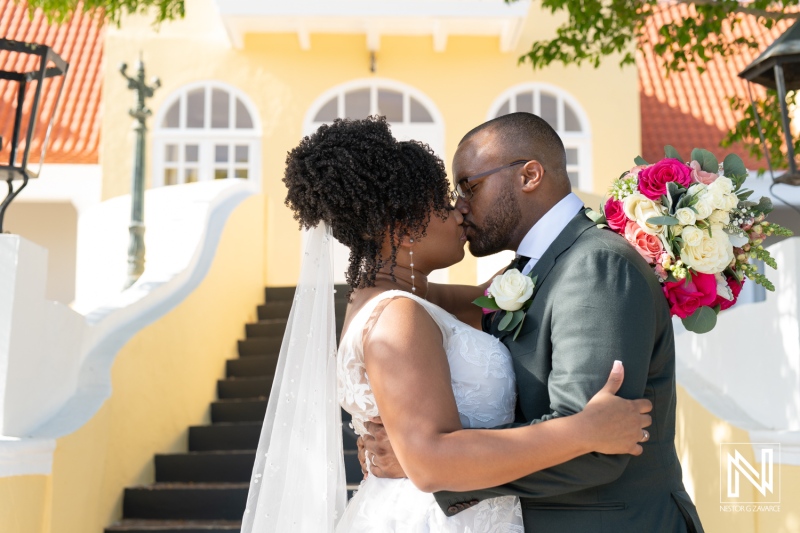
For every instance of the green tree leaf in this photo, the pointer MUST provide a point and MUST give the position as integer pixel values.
(60, 11)
(702, 320)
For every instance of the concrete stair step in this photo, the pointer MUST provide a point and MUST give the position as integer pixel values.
(287, 293)
(239, 410)
(259, 346)
(255, 387)
(175, 526)
(225, 436)
(186, 501)
(251, 366)
(274, 327)
(206, 467)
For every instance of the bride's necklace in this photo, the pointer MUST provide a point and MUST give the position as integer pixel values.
(404, 281)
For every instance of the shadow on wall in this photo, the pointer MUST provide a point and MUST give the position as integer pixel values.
(54, 226)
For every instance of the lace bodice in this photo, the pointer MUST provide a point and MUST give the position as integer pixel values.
(481, 369)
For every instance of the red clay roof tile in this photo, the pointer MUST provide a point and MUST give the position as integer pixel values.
(75, 136)
(689, 109)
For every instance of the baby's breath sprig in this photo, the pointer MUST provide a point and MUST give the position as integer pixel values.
(624, 187)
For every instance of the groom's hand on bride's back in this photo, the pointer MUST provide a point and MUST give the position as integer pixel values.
(376, 448)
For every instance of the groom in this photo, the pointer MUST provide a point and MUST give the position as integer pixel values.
(595, 300)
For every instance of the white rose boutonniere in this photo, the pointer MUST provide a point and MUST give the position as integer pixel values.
(511, 292)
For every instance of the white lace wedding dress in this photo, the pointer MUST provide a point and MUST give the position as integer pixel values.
(484, 387)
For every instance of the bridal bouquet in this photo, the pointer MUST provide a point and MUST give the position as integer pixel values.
(695, 224)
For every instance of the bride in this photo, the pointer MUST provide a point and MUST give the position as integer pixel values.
(436, 380)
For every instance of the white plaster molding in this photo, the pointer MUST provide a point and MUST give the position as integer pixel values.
(26, 457)
(387, 17)
(185, 221)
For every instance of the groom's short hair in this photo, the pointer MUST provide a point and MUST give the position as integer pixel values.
(530, 134)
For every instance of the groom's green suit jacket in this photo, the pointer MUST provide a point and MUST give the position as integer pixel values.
(595, 300)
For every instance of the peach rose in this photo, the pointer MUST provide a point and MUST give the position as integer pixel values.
(649, 246)
(701, 176)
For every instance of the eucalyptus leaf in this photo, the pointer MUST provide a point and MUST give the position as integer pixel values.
(733, 165)
(486, 302)
(519, 327)
(702, 320)
(671, 153)
(708, 162)
(639, 161)
(662, 221)
(506, 320)
(744, 195)
(596, 216)
(764, 205)
(517, 318)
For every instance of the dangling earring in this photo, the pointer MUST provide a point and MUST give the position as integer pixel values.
(413, 283)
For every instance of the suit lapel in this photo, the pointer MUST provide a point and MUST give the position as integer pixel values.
(563, 242)
(579, 224)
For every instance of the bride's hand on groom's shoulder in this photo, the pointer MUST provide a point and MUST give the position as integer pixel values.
(615, 425)
(376, 449)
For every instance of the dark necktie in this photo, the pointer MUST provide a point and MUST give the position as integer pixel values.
(519, 262)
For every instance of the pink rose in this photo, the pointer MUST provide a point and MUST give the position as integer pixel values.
(615, 215)
(685, 297)
(736, 288)
(701, 176)
(653, 179)
(648, 246)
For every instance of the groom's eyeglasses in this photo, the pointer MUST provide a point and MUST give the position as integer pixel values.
(465, 191)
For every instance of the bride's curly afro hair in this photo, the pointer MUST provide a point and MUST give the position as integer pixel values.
(354, 175)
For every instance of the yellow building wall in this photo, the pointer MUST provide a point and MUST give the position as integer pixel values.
(698, 438)
(163, 381)
(25, 504)
(283, 81)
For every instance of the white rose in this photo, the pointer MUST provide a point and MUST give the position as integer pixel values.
(686, 216)
(511, 290)
(677, 229)
(704, 206)
(719, 217)
(692, 236)
(722, 185)
(697, 188)
(731, 201)
(712, 255)
(639, 208)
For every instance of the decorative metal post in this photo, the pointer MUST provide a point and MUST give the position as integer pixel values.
(34, 68)
(140, 114)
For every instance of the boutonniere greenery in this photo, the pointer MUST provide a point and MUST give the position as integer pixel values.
(511, 292)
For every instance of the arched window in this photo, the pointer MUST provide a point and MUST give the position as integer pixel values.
(206, 131)
(411, 114)
(564, 114)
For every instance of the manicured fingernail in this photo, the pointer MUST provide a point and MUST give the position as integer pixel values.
(617, 366)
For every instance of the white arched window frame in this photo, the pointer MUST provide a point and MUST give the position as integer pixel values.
(411, 114)
(206, 130)
(564, 113)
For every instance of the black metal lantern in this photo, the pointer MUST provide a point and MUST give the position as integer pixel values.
(36, 70)
(778, 67)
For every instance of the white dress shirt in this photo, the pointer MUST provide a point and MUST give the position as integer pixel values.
(550, 226)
